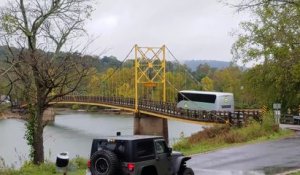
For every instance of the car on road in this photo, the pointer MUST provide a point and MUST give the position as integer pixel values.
(135, 155)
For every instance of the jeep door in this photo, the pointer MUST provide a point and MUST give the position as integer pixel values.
(163, 158)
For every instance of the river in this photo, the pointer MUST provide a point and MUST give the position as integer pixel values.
(73, 132)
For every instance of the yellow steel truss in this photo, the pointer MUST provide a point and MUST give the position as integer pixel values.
(150, 69)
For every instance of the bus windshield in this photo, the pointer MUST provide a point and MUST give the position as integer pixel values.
(205, 98)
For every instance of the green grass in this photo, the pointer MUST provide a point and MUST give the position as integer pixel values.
(77, 166)
(218, 137)
(295, 173)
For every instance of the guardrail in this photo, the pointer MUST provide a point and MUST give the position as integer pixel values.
(290, 119)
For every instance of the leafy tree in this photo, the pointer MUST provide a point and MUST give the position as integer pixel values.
(207, 84)
(34, 33)
(272, 41)
(203, 70)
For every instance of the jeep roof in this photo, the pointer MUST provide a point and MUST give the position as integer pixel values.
(129, 137)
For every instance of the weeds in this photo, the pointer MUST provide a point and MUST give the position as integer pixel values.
(221, 136)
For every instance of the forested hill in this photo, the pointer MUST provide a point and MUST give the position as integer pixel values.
(193, 64)
(105, 62)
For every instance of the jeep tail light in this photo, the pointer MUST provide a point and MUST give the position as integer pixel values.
(130, 166)
(89, 163)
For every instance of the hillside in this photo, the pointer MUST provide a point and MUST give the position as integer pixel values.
(193, 64)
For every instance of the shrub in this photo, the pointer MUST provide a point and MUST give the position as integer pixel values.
(269, 124)
(93, 109)
(209, 133)
(79, 162)
(75, 107)
(233, 137)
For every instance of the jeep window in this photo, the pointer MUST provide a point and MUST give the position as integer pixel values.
(160, 147)
(106, 145)
(120, 150)
(145, 149)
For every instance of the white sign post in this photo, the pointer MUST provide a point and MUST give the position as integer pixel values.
(277, 113)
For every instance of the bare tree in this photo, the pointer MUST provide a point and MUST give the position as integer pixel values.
(35, 33)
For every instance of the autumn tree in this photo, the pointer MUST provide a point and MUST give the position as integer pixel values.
(34, 34)
(207, 84)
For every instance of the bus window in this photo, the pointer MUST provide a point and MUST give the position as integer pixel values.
(205, 98)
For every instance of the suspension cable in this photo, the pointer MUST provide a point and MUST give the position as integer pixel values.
(119, 66)
(193, 78)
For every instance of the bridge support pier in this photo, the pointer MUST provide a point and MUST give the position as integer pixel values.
(49, 115)
(148, 125)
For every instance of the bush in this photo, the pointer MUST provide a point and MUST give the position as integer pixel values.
(75, 107)
(209, 133)
(269, 124)
(233, 137)
(93, 109)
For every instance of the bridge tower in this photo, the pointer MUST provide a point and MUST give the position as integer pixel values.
(150, 72)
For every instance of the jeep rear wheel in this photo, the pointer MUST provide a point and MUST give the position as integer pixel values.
(186, 171)
(104, 162)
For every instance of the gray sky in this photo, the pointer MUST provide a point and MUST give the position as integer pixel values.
(191, 29)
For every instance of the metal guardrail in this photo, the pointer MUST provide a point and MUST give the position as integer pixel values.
(169, 109)
(290, 119)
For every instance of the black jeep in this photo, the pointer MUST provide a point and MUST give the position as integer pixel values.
(136, 155)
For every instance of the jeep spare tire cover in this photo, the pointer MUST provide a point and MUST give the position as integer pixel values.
(104, 162)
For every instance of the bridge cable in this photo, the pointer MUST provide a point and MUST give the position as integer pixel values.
(193, 78)
(118, 66)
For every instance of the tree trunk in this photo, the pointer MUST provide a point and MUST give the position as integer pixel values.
(38, 141)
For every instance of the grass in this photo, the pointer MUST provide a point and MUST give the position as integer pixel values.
(217, 137)
(77, 166)
(295, 173)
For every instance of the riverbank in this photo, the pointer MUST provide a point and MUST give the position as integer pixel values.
(214, 138)
(7, 114)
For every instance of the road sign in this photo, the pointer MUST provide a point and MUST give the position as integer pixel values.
(276, 106)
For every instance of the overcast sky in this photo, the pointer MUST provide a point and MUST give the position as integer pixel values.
(191, 29)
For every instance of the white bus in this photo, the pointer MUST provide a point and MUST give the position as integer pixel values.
(204, 100)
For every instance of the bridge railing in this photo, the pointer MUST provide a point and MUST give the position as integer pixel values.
(170, 109)
(118, 101)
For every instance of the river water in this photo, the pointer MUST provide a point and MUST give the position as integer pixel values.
(73, 132)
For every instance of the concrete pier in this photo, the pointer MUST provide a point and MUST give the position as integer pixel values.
(149, 125)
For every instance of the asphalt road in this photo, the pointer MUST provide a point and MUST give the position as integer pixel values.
(257, 159)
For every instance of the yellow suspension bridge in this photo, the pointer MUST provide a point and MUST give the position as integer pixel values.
(152, 109)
